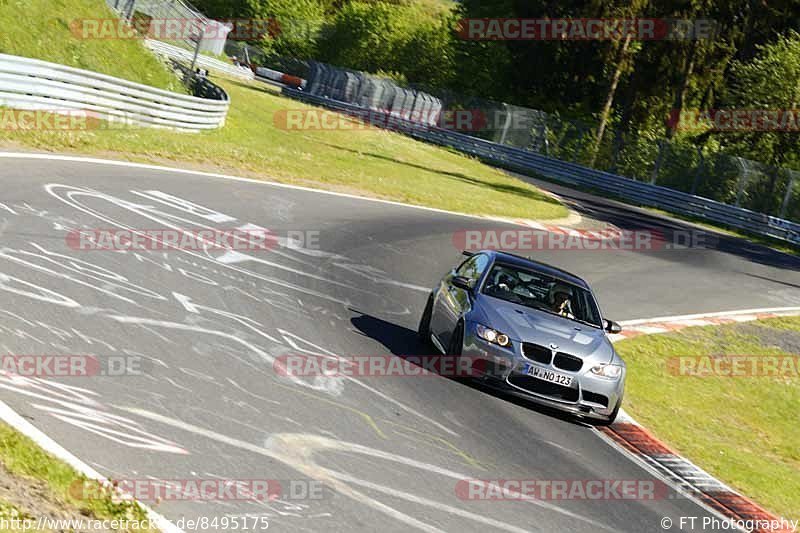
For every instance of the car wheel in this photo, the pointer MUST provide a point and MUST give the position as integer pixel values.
(424, 329)
(456, 340)
(455, 348)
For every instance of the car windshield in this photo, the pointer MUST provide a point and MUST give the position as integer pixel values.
(545, 293)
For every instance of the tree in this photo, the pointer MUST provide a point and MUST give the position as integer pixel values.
(770, 81)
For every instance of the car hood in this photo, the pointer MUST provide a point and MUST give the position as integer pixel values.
(525, 324)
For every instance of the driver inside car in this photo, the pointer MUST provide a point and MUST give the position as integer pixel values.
(560, 301)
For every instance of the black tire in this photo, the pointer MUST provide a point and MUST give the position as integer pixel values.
(424, 329)
(456, 340)
(454, 349)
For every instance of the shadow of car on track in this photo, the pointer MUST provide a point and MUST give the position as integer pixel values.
(404, 343)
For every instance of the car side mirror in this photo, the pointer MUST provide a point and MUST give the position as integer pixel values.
(462, 282)
(612, 327)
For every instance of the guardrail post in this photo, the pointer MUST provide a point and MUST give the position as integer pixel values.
(788, 195)
(699, 171)
(130, 10)
(507, 124)
(657, 164)
(740, 185)
(196, 53)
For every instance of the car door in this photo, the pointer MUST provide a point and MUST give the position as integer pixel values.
(452, 302)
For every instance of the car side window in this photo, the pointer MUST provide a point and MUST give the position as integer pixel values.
(473, 267)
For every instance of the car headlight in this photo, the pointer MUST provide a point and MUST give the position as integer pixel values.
(607, 371)
(493, 336)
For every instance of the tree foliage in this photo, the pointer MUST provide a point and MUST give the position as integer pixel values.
(618, 94)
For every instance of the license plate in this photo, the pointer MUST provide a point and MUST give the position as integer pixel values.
(548, 375)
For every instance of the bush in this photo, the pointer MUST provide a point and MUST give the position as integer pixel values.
(383, 37)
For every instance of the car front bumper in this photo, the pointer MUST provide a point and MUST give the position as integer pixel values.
(588, 395)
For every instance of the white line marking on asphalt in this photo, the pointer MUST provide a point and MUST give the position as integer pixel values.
(111, 162)
(297, 451)
(10, 417)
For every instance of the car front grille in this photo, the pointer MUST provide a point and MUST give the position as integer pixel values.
(537, 353)
(544, 388)
(567, 362)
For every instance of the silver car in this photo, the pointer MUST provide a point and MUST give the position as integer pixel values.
(532, 328)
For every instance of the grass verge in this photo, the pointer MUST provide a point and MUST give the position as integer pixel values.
(33, 484)
(742, 430)
(41, 29)
(371, 162)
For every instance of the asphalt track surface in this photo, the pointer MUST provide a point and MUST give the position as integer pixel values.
(208, 404)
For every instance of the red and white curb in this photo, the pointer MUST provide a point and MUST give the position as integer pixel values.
(666, 324)
(567, 225)
(690, 479)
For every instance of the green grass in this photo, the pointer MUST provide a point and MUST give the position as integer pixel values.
(10, 513)
(373, 163)
(24, 459)
(41, 29)
(376, 163)
(742, 430)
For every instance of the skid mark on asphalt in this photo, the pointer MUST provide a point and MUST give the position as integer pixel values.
(297, 451)
(229, 260)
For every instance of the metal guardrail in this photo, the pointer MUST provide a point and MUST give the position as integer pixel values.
(364, 90)
(32, 84)
(195, 28)
(186, 56)
(573, 174)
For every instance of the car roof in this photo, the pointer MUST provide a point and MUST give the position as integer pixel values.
(530, 264)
